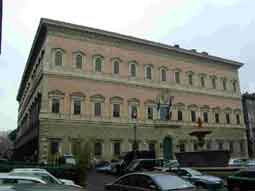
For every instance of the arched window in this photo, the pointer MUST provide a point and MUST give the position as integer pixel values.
(163, 75)
(58, 58)
(98, 64)
(78, 61)
(148, 73)
(133, 70)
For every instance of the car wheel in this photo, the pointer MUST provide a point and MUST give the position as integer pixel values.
(200, 185)
(234, 188)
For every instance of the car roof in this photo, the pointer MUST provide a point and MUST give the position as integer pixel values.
(41, 187)
(29, 170)
(151, 173)
(8, 176)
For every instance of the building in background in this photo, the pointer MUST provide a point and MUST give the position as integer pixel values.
(82, 84)
(248, 101)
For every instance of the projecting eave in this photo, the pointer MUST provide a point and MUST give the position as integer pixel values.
(39, 38)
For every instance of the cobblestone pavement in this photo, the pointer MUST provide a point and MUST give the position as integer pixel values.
(96, 181)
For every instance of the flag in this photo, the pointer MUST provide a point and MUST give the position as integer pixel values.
(1, 17)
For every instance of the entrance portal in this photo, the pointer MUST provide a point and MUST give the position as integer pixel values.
(168, 148)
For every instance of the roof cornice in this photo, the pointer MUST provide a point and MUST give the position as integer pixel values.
(177, 49)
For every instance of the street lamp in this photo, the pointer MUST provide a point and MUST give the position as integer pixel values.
(134, 117)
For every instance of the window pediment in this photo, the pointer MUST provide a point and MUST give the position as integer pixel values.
(117, 59)
(228, 109)
(193, 106)
(190, 72)
(133, 100)
(149, 102)
(56, 93)
(79, 52)
(97, 97)
(216, 109)
(205, 108)
(77, 94)
(116, 99)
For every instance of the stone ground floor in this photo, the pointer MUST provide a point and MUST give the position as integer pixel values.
(109, 139)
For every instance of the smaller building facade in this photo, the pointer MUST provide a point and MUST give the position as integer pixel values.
(248, 101)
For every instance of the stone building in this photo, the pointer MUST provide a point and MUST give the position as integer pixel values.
(248, 101)
(82, 84)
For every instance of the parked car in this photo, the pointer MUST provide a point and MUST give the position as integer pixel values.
(42, 174)
(250, 163)
(237, 161)
(149, 181)
(6, 179)
(143, 165)
(39, 187)
(200, 180)
(243, 180)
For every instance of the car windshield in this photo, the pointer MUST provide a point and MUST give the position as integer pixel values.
(167, 182)
(194, 172)
(132, 165)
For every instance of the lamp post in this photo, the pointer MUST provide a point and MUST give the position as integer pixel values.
(134, 117)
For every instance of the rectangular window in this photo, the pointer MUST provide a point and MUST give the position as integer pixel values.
(179, 115)
(151, 146)
(76, 147)
(217, 119)
(237, 119)
(234, 86)
(133, 70)
(190, 79)
(242, 149)
(55, 105)
(54, 147)
(116, 68)
(208, 145)
(220, 145)
(116, 148)
(205, 114)
(134, 112)
(97, 109)
(182, 147)
(177, 77)
(77, 107)
(150, 113)
(202, 79)
(164, 113)
(231, 147)
(227, 118)
(224, 84)
(98, 149)
(193, 116)
(213, 83)
(116, 110)
(163, 75)
(195, 146)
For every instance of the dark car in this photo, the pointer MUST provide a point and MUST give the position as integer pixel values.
(200, 180)
(146, 181)
(243, 180)
(143, 165)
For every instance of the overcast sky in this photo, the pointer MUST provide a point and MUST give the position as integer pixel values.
(224, 28)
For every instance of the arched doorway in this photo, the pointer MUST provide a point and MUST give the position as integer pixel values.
(168, 148)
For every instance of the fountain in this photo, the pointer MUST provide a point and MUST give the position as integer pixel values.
(202, 157)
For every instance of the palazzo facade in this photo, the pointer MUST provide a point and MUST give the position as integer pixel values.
(82, 84)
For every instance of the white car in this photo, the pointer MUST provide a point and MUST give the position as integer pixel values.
(6, 179)
(43, 175)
